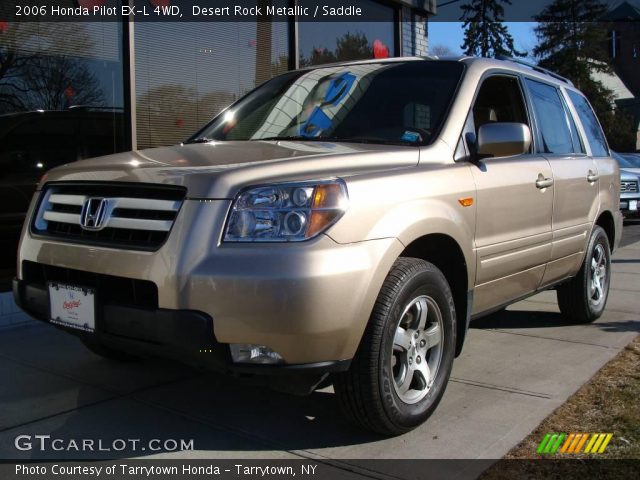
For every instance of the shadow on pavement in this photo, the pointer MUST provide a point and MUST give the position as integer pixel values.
(219, 414)
(88, 397)
(515, 319)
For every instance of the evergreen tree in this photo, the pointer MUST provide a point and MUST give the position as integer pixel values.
(571, 42)
(485, 35)
(572, 39)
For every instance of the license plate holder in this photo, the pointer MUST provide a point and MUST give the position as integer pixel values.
(72, 306)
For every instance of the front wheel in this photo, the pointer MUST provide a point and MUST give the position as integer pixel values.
(404, 360)
(584, 297)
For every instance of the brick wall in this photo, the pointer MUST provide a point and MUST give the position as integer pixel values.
(415, 35)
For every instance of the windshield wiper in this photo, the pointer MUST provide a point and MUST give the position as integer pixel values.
(200, 140)
(340, 139)
(378, 141)
(292, 137)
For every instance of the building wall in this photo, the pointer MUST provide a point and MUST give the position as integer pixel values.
(414, 33)
(177, 102)
(627, 59)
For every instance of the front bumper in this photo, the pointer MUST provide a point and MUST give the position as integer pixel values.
(182, 335)
(307, 301)
(626, 200)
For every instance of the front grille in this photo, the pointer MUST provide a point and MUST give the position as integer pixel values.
(628, 187)
(137, 217)
(110, 289)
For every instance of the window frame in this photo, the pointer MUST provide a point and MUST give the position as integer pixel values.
(496, 72)
(582, 128)
(567, 112)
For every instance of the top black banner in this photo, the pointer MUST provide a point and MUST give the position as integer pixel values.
(278, 10)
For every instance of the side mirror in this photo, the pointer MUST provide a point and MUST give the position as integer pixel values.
(503, 139)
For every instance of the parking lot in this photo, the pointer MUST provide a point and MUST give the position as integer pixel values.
(516, 368)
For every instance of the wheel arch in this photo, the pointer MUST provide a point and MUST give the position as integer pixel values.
(607, 222)
(445, 253)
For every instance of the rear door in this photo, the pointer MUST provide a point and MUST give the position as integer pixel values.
(513, 230)
(575, 174)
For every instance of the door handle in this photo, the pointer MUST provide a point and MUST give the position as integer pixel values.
(543, 182)
(592, 177)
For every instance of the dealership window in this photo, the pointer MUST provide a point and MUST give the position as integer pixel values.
(326, 42)
(61, 100)
(74, 68)
(187, 72)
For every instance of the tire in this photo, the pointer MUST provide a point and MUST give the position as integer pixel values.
(109, 353)
(584, 297)
(376, 393)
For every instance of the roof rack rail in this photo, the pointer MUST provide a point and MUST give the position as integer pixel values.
(535, 67)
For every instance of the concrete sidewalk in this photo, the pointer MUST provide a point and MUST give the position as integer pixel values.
(516, 368)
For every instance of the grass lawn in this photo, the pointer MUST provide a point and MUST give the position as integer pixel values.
(608, 403)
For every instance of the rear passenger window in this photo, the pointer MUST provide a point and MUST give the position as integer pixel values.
(591, 126)
(552, 119)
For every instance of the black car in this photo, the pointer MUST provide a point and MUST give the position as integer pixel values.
(32, 143)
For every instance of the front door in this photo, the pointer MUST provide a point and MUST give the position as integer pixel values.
(514, 205)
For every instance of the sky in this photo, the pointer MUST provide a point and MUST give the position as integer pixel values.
(451, 35)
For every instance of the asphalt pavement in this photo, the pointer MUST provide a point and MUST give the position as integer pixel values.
(516, 368)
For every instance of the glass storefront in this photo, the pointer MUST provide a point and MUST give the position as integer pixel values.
(187, 73)
(61, 100)
(64, 87)
(329, 42)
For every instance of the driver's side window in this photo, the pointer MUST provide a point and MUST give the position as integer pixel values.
(499, 100)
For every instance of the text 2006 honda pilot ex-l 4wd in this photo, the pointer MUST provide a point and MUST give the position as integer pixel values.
(347, 220)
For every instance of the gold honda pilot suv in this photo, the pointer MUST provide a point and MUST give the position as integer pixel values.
(337, 224)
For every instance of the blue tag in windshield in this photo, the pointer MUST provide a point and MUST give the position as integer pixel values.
(410, 136)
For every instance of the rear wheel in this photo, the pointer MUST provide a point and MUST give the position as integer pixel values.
(403, 363)
(584, 297)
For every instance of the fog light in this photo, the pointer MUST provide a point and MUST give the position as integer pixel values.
(247, 353)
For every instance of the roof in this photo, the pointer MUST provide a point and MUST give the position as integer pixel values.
(487, 63)
(613, 83)
(624, 11)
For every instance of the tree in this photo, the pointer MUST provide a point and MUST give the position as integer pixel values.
(350, 46)
(441, 50)
(353, 46)
(571, 42)
(485, 35)
(571, 39)
(36, 72)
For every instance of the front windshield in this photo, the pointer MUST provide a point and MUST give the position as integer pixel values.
(626, 161)
(633, 160)
(394, 103)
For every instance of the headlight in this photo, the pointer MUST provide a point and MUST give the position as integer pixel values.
(288, 212)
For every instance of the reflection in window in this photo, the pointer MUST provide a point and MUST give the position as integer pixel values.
(370, 103)
(186, 73)
(328, 42)
(594, 133)
(53, 66)
(552, 118)
(61, 100)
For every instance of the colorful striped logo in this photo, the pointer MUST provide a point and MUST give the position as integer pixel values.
(553, 443)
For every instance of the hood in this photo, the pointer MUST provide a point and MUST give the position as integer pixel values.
(629, 173)
(219, 169)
